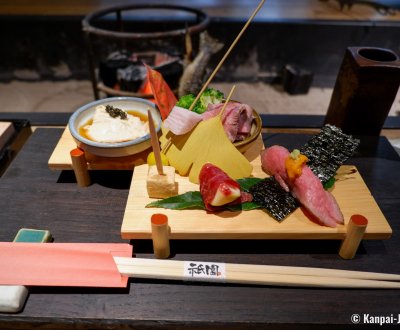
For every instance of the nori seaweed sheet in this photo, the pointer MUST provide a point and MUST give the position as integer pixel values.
(269, 194)
(328, 150)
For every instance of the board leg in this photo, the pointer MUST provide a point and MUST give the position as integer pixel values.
(355, 232)
(160, 235)
(79, 165)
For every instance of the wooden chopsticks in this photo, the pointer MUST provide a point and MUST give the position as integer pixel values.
(257, 274)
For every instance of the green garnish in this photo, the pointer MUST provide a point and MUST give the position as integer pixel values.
(188, 200)
(247, 183)
(116, 112)
(186, 101)
(209, 96)
(329, 184)
(295, 154)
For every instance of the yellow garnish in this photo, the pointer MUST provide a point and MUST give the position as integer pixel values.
(206, 143)
(294, 164)
(151, 159)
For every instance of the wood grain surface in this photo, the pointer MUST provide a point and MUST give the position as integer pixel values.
(33, 196)
(350, 192)
(60, 158)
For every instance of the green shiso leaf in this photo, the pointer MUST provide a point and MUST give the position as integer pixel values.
(246, 206)
(247, 183)
(188, 200)
(329, 184)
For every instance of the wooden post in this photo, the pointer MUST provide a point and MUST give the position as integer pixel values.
(160, 235)
(365, 89)
(355, 233)
(79, 164)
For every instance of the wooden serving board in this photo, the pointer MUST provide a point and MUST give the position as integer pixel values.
(350, 191)
(60, 159)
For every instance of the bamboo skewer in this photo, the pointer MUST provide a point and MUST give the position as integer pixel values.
(227, 101)
(154, 143)
(261, 274)
(226, 54)
(168, 144)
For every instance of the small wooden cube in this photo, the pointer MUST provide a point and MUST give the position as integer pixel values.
(161, 186)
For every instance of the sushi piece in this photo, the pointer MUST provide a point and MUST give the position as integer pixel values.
(328, 150)
(217, 188)
(305, 186)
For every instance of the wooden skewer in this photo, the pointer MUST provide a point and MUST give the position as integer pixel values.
(227, 100)
(261, 274)
(154, 143)
(226, 54)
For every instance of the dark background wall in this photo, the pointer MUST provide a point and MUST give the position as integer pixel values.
(51, 48)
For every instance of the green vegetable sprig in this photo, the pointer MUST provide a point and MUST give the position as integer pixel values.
(209, 96)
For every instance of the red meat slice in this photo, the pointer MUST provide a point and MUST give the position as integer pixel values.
(236, 119)
(213, 179)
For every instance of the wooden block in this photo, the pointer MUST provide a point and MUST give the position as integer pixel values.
(161, 185)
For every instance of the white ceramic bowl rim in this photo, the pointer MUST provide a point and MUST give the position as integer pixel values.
(79, 137)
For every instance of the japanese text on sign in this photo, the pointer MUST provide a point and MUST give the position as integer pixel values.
(194, 270)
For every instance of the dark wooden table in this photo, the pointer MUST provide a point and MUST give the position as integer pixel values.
(33, 196)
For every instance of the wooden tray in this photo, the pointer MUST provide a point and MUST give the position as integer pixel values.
(350, 191)
(60, 159)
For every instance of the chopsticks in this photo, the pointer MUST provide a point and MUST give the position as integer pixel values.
(256, 274)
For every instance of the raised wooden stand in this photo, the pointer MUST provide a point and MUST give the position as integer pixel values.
(61, 159)
(255, 224)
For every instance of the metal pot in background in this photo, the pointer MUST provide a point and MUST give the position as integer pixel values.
(365, 89)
